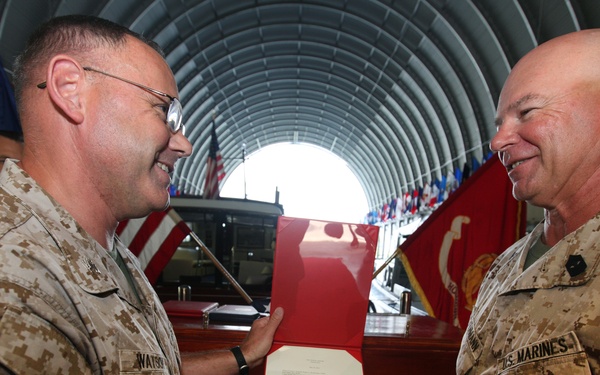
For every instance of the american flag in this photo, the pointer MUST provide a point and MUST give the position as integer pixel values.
(154, 239)
(215, 171)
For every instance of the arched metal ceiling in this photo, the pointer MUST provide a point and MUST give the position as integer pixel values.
(403, 90)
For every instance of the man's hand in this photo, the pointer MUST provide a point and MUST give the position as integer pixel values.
(260, 338)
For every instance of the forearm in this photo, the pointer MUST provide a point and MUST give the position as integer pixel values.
(223, 362)
(218, 362)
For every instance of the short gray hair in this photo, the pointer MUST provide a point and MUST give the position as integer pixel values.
(74, 34)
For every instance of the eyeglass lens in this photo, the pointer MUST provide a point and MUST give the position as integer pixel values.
(175, 115)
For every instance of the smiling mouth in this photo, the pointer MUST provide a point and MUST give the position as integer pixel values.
(164, 167)
(510, 167)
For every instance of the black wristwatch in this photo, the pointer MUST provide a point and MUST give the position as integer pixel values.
(241, 361)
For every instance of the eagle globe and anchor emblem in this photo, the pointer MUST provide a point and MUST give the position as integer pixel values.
(473, 275)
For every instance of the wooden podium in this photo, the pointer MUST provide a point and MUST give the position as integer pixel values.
(393, 344)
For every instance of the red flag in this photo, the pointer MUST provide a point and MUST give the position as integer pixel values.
(415, 202)
(448, 255)
(215, 171)
(154, 239)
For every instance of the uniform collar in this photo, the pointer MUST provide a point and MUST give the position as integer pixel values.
(86, 259)
(552, 269)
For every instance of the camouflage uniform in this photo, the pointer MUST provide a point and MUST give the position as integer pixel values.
(544, 320)
(65, 306)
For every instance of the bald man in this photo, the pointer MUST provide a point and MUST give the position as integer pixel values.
(538, 310)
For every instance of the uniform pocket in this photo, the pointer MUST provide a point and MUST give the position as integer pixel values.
(557, 355)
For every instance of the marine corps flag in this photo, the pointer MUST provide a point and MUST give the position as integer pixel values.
(447, 257)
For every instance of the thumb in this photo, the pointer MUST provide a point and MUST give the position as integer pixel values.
(276, 318)
(269, 325)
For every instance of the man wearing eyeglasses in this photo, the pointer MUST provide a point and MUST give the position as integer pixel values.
(103, 129)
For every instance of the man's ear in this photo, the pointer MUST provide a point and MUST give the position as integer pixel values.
(65, 84)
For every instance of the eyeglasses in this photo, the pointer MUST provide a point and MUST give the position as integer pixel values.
(174, 114)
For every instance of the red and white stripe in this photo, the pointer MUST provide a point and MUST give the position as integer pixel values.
(215, 170)
(154, 239)
(215, 173)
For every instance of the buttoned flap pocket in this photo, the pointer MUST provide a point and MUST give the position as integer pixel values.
(557, 355)
(142, 362)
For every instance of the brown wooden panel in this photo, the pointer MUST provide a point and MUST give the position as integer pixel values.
(406, 344)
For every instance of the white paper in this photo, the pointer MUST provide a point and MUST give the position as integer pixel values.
(301, 360)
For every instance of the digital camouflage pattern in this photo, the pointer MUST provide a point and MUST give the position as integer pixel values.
(545, 320)
(65, 306)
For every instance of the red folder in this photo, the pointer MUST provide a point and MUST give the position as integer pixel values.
(322, 278)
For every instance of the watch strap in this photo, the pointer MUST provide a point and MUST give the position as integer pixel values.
(241, 361)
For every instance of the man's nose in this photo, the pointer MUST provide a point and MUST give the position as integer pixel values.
(181, 144)
(504, 138)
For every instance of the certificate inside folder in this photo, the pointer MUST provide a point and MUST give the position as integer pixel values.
(322, 279)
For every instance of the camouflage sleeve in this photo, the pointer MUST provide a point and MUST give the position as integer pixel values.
(5, 371)
(29, 344)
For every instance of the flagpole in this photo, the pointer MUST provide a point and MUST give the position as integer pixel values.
(244, 163)
(224, 271)
(216, 262)
(392, 257)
